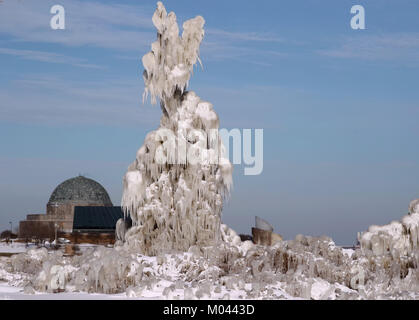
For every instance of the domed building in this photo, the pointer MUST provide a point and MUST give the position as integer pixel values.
(78, 204)
(78, 191)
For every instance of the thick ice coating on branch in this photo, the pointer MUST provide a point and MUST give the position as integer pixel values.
(399, 238)
(175, 187)
(171, 60)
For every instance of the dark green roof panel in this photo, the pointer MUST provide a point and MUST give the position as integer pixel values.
(96, 218)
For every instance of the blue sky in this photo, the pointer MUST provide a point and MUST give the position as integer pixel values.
(339, 107)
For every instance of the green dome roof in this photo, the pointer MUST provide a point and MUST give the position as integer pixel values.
(80, 190)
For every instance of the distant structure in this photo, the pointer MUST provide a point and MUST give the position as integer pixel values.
(263, 233)
(78, 208)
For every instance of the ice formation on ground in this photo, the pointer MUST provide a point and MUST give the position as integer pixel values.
(306, 267)
(177, 247)
(396, 245)
(174, 189)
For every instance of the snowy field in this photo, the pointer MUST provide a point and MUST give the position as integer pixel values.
(315, 268)
(12, 285)
(12, 248)
(10, 290)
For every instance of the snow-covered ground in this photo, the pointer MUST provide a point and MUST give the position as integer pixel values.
(320, 290)
(304, 268)
(15, 247)
(13, 285)
(11, 290)
(8, 292)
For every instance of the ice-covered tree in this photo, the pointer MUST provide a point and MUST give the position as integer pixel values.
(174, 190)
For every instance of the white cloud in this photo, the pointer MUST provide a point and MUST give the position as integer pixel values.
(87, 23)
(120, 27)
(242, 36)
(50, 57)
(218, 51)
(54, 100)
(397, 47)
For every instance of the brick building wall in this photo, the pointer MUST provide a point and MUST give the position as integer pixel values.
(42, 226)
